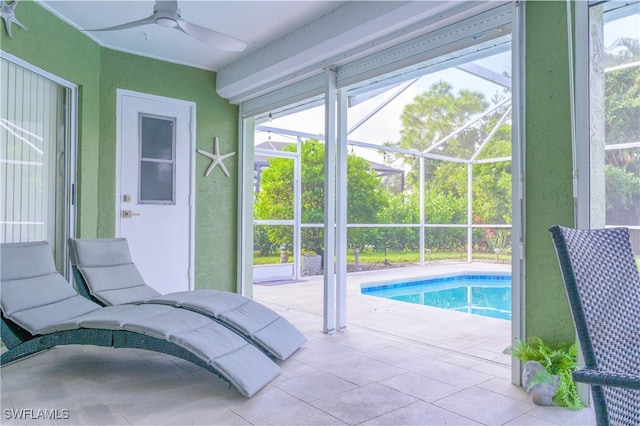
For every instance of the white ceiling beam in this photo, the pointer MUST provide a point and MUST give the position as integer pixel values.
(351, 31)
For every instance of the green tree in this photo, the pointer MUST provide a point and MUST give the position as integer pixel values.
(622, 125)
(366, 198)
(435, 114)
(492, 184)
(623, 196)
(402, 208)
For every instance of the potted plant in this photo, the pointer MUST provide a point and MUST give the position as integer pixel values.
(559, 360)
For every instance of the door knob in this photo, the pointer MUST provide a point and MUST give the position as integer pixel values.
(129, 214)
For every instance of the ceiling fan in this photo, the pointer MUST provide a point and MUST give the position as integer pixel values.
(166, 14)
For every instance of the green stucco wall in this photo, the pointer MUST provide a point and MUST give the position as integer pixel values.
(548, 180)
(216, 195)
(60, 49)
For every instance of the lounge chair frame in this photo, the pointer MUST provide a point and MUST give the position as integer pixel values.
(41, 311)
(22, 344)
(262, 336)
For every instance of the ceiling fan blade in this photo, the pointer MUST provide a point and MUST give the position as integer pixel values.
(211, 37)
(144, 21)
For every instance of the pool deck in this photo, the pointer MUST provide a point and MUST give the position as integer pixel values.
(473, 336)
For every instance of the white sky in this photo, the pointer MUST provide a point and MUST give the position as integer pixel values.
(385, 125)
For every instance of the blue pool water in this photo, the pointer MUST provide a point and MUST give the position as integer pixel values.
(487, 295)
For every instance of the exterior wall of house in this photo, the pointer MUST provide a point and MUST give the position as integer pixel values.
(548, 182)
(216, 195)
(64, 51)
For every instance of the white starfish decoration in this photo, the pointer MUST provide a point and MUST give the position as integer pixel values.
(7, 12)
(216, 158)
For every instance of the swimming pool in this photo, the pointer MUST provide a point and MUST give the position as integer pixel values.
(480, 294)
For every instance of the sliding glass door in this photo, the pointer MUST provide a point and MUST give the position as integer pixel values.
(36, 189)
(614, 116)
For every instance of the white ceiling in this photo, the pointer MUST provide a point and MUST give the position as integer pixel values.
(256, 23)
(287, 41)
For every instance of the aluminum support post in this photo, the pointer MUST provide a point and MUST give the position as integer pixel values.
(341, 214)
(329, 201)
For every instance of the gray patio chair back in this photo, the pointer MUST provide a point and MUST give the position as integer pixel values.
(603, 286)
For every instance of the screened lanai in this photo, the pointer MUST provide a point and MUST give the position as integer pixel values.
(444, 122)
(447, 123)
(310, 388)
(427, 125)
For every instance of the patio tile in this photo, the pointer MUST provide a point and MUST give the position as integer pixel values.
(564, 416)
(528, 420)
(363, 403)
(270, 402)
(494, 370)
(420, 387)
(460, 360)
(319, 351)
(506, 388)
(294, 368)
(451, 374)
(98, 414)
(175, 406)
(420, 413)
(300, 414)
(28, 421)
(400, 356)
(5, 401)
(221, 417)
(315, 386)
(422, 350)
(364, 342)
(446, 336)
(484, 406)
(172, 418)
(484, 353)
(359, 369)
(57, 356)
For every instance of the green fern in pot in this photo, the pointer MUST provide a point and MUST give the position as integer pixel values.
(560, 359)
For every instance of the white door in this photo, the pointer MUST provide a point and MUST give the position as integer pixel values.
(155, 147)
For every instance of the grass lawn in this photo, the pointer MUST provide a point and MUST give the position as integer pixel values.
(400, 257)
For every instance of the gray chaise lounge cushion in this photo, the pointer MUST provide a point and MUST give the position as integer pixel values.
(265, 327)
(106, 263)
(38, 299)
(34, 295)
(112, 278)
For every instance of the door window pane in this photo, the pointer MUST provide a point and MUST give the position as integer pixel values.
(157, 160)
(157, 138)
(156, 181)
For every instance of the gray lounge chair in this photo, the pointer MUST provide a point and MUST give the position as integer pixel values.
(106, 274)
(41, 310)
(603, 286)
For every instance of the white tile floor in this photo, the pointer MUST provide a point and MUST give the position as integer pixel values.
(395, 365)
